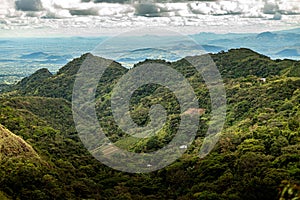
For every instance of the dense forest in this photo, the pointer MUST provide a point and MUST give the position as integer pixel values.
(256, 157)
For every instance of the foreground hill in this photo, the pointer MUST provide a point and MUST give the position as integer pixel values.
(15, 152)
(12, 146)
(256, 156)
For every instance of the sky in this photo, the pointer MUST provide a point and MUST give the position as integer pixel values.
(52, 18)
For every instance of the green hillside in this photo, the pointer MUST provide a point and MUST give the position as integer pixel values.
(257, 156)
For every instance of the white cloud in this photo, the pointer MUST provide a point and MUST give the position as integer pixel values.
(215, 15)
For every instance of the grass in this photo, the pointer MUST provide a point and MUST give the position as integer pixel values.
(12, 146)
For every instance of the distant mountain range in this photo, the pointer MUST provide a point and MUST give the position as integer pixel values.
(277, 45)
(288, 53)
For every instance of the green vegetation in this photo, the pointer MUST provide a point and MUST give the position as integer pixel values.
(257, 156)
(3, 196)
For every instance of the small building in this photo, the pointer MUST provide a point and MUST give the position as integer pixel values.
(263, 80)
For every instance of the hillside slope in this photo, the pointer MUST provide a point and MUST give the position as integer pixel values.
(12, 146)
(257, 154)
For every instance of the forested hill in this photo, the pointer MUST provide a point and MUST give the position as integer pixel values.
(235, 63)
(257, 156)
(60, 85)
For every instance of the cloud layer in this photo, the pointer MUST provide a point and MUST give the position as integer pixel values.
(56, 14)
(29, 5)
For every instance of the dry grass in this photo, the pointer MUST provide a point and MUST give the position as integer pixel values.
(12, 146)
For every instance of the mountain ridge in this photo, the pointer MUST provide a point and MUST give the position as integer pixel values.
(231, 64)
